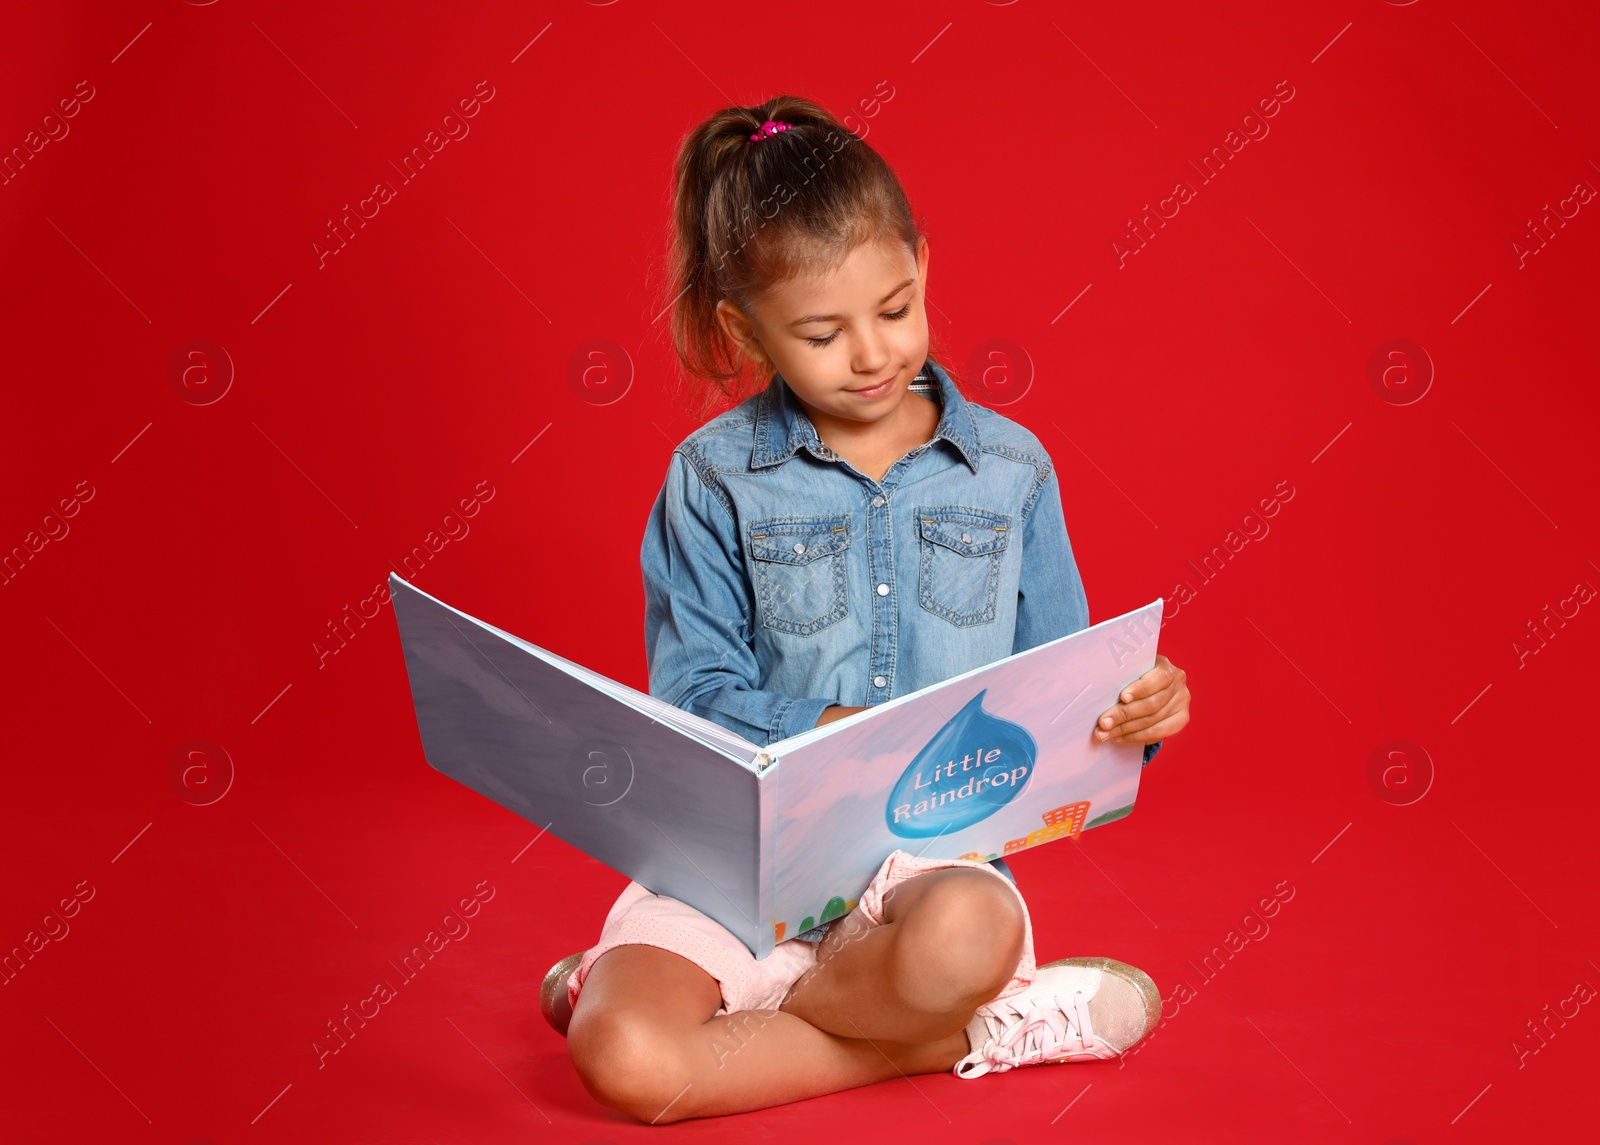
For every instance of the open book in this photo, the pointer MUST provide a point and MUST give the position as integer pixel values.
(772, 840)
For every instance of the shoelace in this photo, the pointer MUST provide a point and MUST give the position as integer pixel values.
(1050, 1027)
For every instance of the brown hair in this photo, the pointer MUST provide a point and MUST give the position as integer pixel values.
(750, 214)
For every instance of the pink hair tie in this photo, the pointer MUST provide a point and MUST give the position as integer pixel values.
(771, 127)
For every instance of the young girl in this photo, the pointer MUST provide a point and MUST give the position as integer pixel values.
(854, 531)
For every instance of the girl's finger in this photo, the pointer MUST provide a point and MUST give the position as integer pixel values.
(1138, 723)
(1156, 730)
(1145, 707)
(1153, 681)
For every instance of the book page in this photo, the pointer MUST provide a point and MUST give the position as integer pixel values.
(697, 727)
(582, 758)
(982, 765)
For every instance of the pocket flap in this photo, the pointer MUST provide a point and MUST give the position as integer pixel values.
(798, 540)
(970, 532)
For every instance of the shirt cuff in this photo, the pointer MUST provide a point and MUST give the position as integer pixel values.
(796, 716)
(1150, 750)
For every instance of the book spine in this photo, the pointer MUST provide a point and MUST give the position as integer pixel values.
(767, 795)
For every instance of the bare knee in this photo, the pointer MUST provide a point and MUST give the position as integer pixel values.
(960, 942)
(629, 1063)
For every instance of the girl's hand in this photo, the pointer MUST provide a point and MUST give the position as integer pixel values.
(836, 712)
(1153, 707)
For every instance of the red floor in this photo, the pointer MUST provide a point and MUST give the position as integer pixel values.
(1379, 1001)
(182, 938)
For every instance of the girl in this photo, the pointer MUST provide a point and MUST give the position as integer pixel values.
(853, 531)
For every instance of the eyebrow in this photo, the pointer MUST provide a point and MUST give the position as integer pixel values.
(834, 317)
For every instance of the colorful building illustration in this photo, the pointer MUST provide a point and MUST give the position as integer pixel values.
(1071, 814)
(1064, 822)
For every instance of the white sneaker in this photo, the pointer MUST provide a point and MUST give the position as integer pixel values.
(1051, 1020)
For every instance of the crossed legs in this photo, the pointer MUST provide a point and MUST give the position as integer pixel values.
(883, 1001)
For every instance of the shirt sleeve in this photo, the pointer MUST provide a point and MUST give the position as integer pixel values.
(1051, 602)
(698, 628)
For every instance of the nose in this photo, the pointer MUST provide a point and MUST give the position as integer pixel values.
(870, 353)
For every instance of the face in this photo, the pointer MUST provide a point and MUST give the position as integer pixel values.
(848, 342)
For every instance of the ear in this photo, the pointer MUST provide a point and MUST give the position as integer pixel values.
(740, 331)
(922, 264)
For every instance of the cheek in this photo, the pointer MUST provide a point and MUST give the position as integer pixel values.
(911, 337)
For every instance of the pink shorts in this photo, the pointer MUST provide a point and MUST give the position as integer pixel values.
(639, 917)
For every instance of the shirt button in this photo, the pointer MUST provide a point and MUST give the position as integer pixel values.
(883, 590)
(800, 547)
(965, 537)
(879, 681)
(876, 501)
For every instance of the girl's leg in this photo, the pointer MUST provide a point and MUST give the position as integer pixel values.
(644, 1040)
(949, 942)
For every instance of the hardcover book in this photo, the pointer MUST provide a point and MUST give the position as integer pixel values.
(771, 840)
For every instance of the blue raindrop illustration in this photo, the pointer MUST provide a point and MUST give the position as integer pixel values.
(972, 767)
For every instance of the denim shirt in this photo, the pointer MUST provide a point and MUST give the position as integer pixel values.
(780, 579)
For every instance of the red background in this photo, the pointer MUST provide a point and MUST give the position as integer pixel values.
(371, 394)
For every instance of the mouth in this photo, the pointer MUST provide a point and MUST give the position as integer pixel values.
(876, 391)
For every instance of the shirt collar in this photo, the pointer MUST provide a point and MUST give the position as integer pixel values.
(782, 426)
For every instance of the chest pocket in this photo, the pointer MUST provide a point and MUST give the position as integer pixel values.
(961, 553)
(799, 571)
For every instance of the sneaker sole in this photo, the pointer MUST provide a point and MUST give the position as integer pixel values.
(1144, 983)
(555, 979)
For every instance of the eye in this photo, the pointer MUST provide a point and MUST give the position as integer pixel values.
(895, 317)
